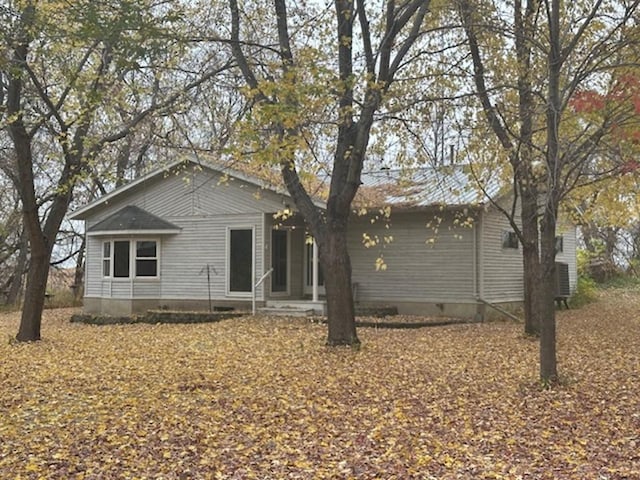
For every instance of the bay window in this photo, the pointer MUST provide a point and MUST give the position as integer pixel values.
(129, 258)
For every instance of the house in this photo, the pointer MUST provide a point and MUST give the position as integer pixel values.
(190, 235)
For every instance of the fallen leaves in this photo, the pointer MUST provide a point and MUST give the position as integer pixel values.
(264, 398)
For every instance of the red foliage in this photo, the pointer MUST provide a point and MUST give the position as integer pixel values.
(630, 166)
(626, 89)
(587, 101)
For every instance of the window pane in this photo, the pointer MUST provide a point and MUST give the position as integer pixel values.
(146, 268)
(106, 267)
(240, 260)
(509, 240)
(121, 259)
(146, 249)
(106, 250)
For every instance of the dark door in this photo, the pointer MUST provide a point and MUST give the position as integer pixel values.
(240, 260)
(279, 260)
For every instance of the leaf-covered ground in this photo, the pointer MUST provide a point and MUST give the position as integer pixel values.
(264, 398)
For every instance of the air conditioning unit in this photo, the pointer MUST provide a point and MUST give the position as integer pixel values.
(563, 289)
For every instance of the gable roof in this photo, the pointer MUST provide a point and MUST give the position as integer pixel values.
(418, 188)
(84, 212)
(132, 219)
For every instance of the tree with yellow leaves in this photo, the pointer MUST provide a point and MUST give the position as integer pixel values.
(342, 61)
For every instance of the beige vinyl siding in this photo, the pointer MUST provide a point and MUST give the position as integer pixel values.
(202, 241)
(93, 273)
(502, 277)
(121, 288)
(195, 194)
(502, 269)
(146, 288)
(417, 270)
(183, 261)
(204, 210)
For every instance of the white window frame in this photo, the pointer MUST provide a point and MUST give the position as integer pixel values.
(106, 259)
(227, 261)
(113, 266)
(133, 256)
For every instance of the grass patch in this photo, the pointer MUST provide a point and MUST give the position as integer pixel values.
(622, 281)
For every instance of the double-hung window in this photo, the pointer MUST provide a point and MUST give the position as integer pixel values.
(146, 258)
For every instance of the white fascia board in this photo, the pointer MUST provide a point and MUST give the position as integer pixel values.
(132, 233)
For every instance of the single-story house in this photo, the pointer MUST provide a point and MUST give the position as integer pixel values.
(191, 235)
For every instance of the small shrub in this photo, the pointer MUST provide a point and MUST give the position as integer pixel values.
(586, 292)
(583, 258)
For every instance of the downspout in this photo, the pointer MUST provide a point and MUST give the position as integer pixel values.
(474, 270)
(315, 271)
(478, 264)
(481, 254)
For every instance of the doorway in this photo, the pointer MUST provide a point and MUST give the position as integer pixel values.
(240, 260)
(280, 261)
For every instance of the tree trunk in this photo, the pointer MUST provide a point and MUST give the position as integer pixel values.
(336, 266)
(548, 367)
(531, 264)
(546, 302)
(34, 294)
(531, 271)
(78, 277)
(13, 296)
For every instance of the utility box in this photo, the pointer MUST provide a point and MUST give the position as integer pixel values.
(563, 288)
